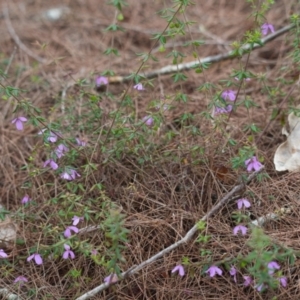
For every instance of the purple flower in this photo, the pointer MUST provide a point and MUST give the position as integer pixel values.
(112, 278)
(245, 79)
(139, 87)
(60, 150)
(80, 142)
(180, 270)
(52, 163)
(243, 229)
(2, 254)
(101, 80)
(69, 174)
(229, 95)
(19, 122)
(37, 258)
(247, 280)
(21, 279)
(94, 252)
(266, 28)
(213, 271)
(148, 120)
(253, 164)
(76, 220)
(243, 202)
(260, 287)
(272, 267)
(68, 252)
(283, 281)
(52, 137)
(233, 273)
(25, 199)
(222, 110)
(69, 229)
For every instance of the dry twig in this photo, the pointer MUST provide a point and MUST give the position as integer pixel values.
(184, 240)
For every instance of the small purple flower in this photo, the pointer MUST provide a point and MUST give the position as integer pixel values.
(266, 28)
(253, 164)
(180, 270)
(245, 79)
(3, 254)
(94, 252)
(76, 220)
(247, 280)
(37, 258)
(25, 199)
(52, 137)
(260, 287)
(233, 273)
(21, 279)
(60, 150)
(243, 229)
(52, 163)
(222, 110)
(229, 95)
(68, 252)
(69, 229)
(139, 87)
(101, 80)
(112, 278)
(69, 174)
(283, 281)
(81, 142)
(148, 120)
(213, 271)
(272, 267)
(243, 203)
(19, 122)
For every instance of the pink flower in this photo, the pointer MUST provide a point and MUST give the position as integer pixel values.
(21, 279)
(76, 220)
(272, 267)
(37, 258)
(180, 270)
(283, 281)
(139, 87)
(3, 254)
(112, 278)
(243, 202)
(253, 164)
(247, 280)
(245, 79)
(233, 273)
(213, 271)
(229, 95)
(69, 229)
(148, 120)
(241, 228)
(68, 252)
(25, 199)
(19, 122)
(101, 80)
(266, 28)
(60, 150)
(52, 163)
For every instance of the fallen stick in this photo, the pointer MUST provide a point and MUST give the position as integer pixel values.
(210, 59)
(184, 240)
